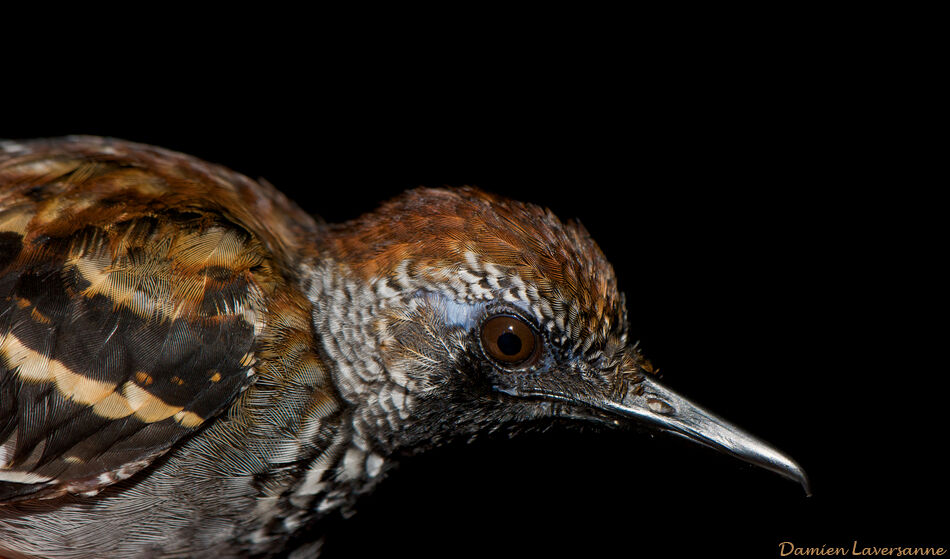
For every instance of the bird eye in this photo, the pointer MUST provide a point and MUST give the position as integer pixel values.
(509, 340)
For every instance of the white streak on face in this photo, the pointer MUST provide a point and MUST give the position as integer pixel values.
(481, 293)
(492, 272)
(544, 308)
(374, 464)
(510, 297)
(402, 275)
(468, 277)
(398, 398)
(384, 291)
(293, 521)
(410, 404)
(352, 464)
(398, 375)
(313, 482)
(473, 261)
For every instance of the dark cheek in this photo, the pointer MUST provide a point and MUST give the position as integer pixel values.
(473, 376)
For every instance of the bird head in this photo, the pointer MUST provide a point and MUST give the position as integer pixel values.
(456, 312)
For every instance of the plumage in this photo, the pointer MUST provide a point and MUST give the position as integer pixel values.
(190, 364)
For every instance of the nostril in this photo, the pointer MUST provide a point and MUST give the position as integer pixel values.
(659, 406)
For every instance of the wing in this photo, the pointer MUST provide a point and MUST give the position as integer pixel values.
(134, 284)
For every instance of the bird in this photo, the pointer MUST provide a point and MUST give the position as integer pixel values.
(190, 364)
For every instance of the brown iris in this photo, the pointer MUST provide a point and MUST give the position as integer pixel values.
(509, 340)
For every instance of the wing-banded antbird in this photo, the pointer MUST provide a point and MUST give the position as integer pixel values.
(190, 364)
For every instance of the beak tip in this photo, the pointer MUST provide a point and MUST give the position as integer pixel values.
(805, 482)
(791, 470)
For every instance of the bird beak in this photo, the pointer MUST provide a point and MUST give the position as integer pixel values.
(651, 403)
(646, 401)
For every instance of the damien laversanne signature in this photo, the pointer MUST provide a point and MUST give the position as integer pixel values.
(787, 549)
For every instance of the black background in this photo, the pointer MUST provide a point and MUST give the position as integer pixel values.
(759, 204)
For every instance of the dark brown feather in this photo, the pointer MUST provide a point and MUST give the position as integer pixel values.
(135, 284)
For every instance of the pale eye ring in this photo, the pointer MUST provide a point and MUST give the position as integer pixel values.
(510, 341)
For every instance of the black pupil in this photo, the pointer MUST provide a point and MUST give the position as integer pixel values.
(509, 344)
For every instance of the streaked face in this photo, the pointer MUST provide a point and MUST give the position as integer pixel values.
(492, 312)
